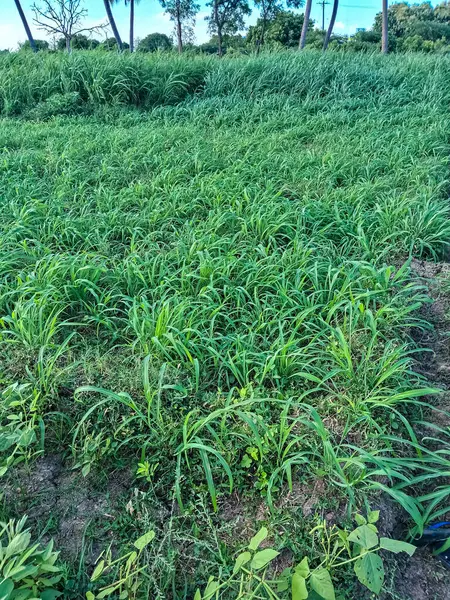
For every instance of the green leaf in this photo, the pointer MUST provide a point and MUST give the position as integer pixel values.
(22, 595)
(302, 568)
(397, 546)
(144, 540)
(198, 595)
(241, 560)
(18, 544)
(211, 588)
(98, 570)
(20, 572)
(370, 571)
(48, 568)
(130, 560)
(263, 558)
(258, 539)
(246, 461)
(50, 594)
(284, 580)
(439, 549)
(363, 536)
(90, 596)
(107, 591)
(6, 587)
(360, 519)
(373, 516)
(299, 591)
(321, 583)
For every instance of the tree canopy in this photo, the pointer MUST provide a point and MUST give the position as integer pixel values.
(154, 42)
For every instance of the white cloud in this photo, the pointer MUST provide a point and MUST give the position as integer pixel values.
(339, 25)
(10, 35)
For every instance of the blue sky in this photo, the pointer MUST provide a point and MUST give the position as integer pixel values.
(150, 17)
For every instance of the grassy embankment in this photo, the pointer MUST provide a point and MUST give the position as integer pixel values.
(217, 288)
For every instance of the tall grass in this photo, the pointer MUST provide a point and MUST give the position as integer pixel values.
(149, 81)
(225, 278)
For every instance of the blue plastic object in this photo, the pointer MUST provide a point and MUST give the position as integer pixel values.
(434, 536)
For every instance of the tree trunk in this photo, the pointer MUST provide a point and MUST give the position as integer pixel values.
(113, 24)
(68, 47)
(218, 25)
(384, 29)
(131, 25)
(331, 25)
(179, 35)
(219, 41)
(260, 42)
(25, 25)
(302, 40)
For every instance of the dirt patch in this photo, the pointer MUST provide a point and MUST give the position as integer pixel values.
(423, 577)
(420, 577)
(69, 503)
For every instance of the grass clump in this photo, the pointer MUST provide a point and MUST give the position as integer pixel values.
(216, 291)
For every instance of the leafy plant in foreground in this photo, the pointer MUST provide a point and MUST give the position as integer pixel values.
(253, 569)
(128, 570)
(19, 424)
(28, 572)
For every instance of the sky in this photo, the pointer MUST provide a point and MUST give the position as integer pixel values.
(151, 18)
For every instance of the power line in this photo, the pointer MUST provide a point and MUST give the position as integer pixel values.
(356, 6)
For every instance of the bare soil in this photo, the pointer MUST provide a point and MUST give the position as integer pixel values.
(69, 504)
(423, 577)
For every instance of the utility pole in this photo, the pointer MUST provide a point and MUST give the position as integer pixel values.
(322, 4)
(384, 29)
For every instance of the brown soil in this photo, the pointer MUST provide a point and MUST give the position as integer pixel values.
(423, 577)
(69, 503)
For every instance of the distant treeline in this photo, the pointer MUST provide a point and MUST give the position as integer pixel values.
(417, 27)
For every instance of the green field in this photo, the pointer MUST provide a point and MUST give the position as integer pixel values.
(207, 307)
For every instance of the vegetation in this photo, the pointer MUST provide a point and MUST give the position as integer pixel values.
(402, 27)
(27, 570)
(207, 289)
(62, 17)
(154, 42)
(340, 547)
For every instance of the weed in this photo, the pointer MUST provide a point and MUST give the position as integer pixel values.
(28, 571)
(205, 272)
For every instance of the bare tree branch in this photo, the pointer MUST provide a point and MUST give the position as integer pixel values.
(63, 17)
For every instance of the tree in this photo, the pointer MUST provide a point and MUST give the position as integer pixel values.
(229, 42)
(398, 17)
(111, 44)
(26, 26)
(331, 25)
(39, 44)
(132, 5)
(417, 20)
(429, 30)
(182, 13)
(113, 25)
(154, 42)
(283, 30)
(131, 25)
(302, 40)
(62, 17)
(79, 42)
(226, 18)
(267, 11)
(384, 28)
(442, 12)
